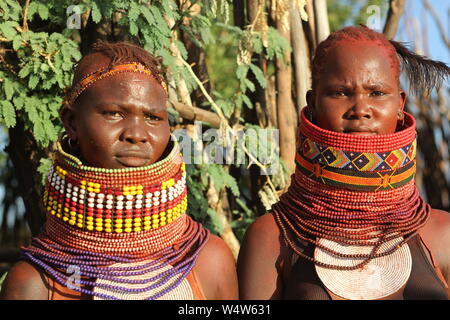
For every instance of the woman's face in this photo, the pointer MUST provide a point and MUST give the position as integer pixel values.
(120, 121)
(358, 91)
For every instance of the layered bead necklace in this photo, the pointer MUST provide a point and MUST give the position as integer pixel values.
(116, 227)
(352, 190)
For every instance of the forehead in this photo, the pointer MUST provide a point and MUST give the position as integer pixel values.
(129, 88)
(120, 88)
(350, 61)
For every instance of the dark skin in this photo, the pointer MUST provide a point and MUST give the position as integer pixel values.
(357, 93)
(121, 121)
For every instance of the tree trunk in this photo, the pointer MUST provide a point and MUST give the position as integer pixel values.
(301, 59)
(321, 19)
(287, 116)
(311, 24)
(22, 151)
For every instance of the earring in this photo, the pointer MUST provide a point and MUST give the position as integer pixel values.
(402, 118)
(71, 144)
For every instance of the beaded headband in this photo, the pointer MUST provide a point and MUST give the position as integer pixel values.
(91, 78)
(364, 163)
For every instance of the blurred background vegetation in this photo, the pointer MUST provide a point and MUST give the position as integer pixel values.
(232, 65)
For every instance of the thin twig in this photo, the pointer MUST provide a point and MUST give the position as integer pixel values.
(438, 21)
(25, 13)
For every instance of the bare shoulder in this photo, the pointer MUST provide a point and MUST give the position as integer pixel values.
(437, 229)
(436, 234)
(24, 282)
(263, 235)
(260, 259)
(216, 270)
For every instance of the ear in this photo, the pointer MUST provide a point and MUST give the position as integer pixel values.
(68, 118)
(402, 102)
(310, 98)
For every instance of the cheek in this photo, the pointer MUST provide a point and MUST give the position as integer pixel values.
(164, 135)
(329, 114)
(161, 138)
(96, 141)
(388, 116)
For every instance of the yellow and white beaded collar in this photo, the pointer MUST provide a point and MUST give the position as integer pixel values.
(116, 200)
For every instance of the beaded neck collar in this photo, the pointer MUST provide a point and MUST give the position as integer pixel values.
(116, 200)
(354, 199)
(364, 163)
(334, 196)
(124, 231)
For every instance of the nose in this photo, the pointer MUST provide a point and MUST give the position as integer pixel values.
(135, 131)
(360, 108)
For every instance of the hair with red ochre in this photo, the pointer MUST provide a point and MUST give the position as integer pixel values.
(423, 74)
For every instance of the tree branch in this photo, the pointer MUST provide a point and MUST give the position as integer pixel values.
(25, 13)
(438, 21)
(396, 8)
(196, 114)
(321, 19)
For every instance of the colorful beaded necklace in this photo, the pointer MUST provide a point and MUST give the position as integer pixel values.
(112, 225)
(353, 190)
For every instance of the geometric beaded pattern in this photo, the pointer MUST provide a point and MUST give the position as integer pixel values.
(88, 201)
(363, 171)
(361, 161)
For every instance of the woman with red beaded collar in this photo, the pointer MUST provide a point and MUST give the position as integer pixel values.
(116, 197)
(352, 224)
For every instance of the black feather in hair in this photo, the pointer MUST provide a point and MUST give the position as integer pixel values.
(423, 73)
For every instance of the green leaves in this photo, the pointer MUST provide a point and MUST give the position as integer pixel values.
(44, 57)
(39, 8)
(222, 179)
(8, 29)
(10, 10)
(95, 13)
(8, 113)
(276, 44)
(9, 88)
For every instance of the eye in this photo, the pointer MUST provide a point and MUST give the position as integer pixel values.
(377, 93)
(338, 94)
(152, 117)
(112, 114)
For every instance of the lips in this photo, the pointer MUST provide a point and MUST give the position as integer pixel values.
(360, 130)
(133, 158)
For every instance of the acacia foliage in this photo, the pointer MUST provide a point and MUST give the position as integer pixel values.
(39, 52)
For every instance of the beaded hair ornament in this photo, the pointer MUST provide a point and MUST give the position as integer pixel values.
(91, 78)
(353, 198)
(125, 230)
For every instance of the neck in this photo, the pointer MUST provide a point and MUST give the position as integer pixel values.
(357, 190)
(130, 220)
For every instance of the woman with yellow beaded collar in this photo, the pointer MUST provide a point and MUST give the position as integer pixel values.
(116, 198)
